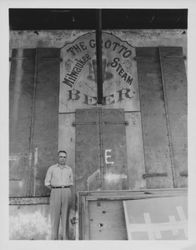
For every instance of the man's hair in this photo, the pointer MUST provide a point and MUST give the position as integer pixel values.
(62, 151)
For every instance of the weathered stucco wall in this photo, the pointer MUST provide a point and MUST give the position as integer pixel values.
(29, 222)
(32, 221)
(66, 132)
(57, 39)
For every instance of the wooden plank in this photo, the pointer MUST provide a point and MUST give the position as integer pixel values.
(81, 215)
(20, 119)
(45, 134)
(153, 115)
(175, 87)
(135, 151)
(28, 200)
(114, 149)
(83, 218)
(128, 233)
(87, 170)
(86, 221)
(124, 194)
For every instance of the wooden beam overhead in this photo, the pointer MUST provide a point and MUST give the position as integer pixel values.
(57, 19)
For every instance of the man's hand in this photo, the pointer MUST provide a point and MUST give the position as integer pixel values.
(49, 186)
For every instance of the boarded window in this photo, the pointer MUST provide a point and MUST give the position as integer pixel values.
(34, 91)
(163, 97)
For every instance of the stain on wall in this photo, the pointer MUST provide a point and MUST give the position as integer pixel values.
(32, 222)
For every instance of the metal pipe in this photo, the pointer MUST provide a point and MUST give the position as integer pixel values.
(99, 57)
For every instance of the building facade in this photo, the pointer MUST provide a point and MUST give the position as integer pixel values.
(135, 140)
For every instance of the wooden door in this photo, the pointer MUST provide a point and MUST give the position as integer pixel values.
(101, 158)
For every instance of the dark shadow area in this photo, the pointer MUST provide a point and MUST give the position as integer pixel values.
(40, 19)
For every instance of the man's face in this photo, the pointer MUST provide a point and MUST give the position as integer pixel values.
(62, 158)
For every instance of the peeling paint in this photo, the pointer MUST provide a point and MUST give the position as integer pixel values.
(15, 157)
(110, 177)
(33, 223)
(93, 179)
(21, 184)
(40, 38)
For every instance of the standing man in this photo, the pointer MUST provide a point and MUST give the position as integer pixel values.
(59, 178)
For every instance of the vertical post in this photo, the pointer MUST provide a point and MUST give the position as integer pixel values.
(99, 57)
(101, 162)
(32, 179)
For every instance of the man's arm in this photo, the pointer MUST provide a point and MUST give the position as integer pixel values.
(71, 177)
(48, 177)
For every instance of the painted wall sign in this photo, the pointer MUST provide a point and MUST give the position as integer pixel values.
(108, 156)
(78, 87)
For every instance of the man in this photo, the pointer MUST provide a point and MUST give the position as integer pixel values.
(59, 178)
